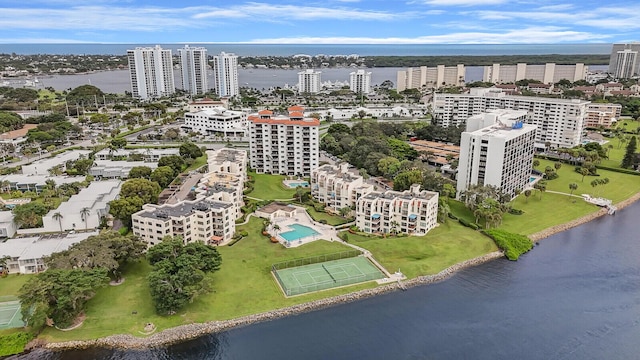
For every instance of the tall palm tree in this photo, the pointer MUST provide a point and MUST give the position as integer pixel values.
(58, 216)
(573, 187)
(84, 213)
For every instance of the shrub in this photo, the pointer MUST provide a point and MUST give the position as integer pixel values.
(468, 224)
(512, 244)
(322, 221)
(513, 211)
(14, 343)
(452, 216)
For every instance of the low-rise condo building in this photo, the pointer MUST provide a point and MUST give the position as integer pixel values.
(338, 186)
(497, 149)
(287, 145)
(412, 211)
(602, 114)
(211, 222)
(217, 121)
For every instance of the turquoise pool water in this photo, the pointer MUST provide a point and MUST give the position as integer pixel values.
(298, 232)
(294, 185)
(532, 179)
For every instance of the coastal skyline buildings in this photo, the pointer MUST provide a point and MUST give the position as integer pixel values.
(151, 72)
(193, 69)
(624, 62)
(309, 81)
(225, 74)
(360, 81)
(549, 73)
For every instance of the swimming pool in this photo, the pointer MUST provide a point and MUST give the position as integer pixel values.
(298, 232)
(295, 184)
(532, 179)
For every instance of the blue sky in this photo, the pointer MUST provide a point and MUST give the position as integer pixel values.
(318, 22)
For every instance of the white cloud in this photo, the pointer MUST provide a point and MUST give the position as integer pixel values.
(39, 41)
(464, 2)
(522, 36)
(267, 12)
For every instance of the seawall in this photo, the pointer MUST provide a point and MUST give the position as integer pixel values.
(192, 331)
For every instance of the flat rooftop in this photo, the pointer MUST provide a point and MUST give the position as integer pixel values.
(184, 208)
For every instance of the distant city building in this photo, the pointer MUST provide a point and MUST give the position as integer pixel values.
(193, 65)
(35, 183)
(560, 121)
(430, 77)
(218, 120)
(496, 149)
(411, 212)
(211, 222)
(151, 72)
(146, 155)
(41, 167)
(225, 73)
(625, 62)
(116, 169)
(285, 145)
(548, 73)
(360, 81)
(338, 186)
(7, 225)
(602, 114)
(310, 81)
(206, 103)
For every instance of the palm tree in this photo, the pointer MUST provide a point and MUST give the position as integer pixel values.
(536, 163)
(573, 187)
(584, 172)
(276, 228)
(58, 216)
(557, 165)
(84, 214)
(527, 193)
(394, 227)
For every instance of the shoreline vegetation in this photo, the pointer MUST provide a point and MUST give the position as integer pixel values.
(191, 331)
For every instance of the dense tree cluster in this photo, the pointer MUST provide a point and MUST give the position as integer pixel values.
(133, 194)
(10, 121)
(179, 272)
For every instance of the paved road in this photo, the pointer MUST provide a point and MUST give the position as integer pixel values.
(185, 188)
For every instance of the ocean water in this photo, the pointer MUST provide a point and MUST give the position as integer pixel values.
(575, 296)
(313, 49)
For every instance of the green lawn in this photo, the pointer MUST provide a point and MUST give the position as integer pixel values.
(12, 283)
(332, 220)
(243, 286)
(621, 186)
(197, 163)
(615, 154)
(631, 125)
(270, 187)
(442, 247)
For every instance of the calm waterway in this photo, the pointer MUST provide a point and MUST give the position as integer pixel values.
(575, 296)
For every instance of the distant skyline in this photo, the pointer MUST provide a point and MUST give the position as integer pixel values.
(320, 22)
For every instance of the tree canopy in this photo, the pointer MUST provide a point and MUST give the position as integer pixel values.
(179, 272)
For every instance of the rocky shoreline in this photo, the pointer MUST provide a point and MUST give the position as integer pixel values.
(192, 331)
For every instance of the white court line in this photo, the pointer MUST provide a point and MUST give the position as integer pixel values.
(16, 310)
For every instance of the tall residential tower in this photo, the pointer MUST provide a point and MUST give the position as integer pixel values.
(151, 72)
(225, 72)
(193, 62)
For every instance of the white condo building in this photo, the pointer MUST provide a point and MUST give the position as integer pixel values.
(200, 220)
(285, 145)
(549, 73)
(217, 120)
(226, 177)
(338, 186)
(560, 121)
(412, 211)
(193, 65)
(496, 149)
(151, 72)
(225, 74)
(309, 81)
(625, 62)
(602, 114)
(360, 81)
(430, 77)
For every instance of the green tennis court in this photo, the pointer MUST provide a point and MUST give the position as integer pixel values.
(326, 275)
(10, 316)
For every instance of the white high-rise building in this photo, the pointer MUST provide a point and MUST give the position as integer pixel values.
(624, 62)
(309, 81)
(430, 77)
(360, 82)
(497, 149)
(284, 145)
(549, 73)
(193, 63)
(151, 72)
(225, 73)
(560, 121)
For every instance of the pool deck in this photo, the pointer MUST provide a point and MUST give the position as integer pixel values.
(325, 232)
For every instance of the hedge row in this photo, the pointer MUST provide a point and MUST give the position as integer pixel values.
(14, 343)
(512, 244)
(619, 170)
(468, 224)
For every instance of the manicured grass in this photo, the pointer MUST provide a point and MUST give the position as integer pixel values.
(270, 187)
(615, 154)
(621, 186)
(243, 286)
(632, 125)
(332, 220)
(12, 283)
(446, 245)
(198, 163)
